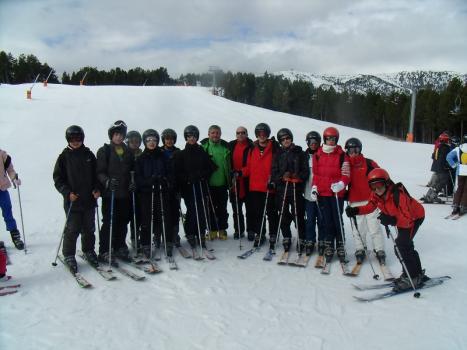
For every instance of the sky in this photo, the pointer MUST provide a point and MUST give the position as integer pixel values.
(332, 36)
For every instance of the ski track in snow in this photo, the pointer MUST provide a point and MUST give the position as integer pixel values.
(227, 303)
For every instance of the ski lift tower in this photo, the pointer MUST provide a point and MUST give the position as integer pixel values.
(457, 112)
(214, 70)
(413, 92)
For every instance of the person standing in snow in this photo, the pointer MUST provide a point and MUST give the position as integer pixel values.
(219, 181)
(75, 178)
(331, 174)
(398, 209)
(3, 269)
(358, 195)
(114, 163)
(7, 176)
(457, 158)
(239, 149)
(289, 172)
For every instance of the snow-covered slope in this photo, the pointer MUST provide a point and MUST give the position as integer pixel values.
(225, 304)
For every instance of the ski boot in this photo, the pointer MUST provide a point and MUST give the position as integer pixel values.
(259, 241)
(169, 250)
(286, 244)
(104, 258)
(301, 246)
(16, 238)
(403, 283)
(91, 257)
(146, 249)
(272, 243)
(381, 256)
(123, 254)
(360, 256)
(321, 248)
(251, 236)
(236, 235)
(341, 253)
(309, 247)
(223, 235)
(71, 263)
(328, 251)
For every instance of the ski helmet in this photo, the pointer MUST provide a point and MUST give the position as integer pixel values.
(455, 140)
(169, 134)
(74, 131)
(443, 138)
(150, 133)
(283, 133)
(331, 132)
(133, 135)
(313, 135)
(378, 175)
(464, 138)
(353, 142)
(262, 127)
(119, 126)
(191, 130)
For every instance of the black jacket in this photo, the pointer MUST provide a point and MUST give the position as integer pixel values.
(440, 163)
(75, 171)
(294, 161)
(152, 168)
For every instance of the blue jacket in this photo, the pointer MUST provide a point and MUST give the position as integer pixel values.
(453, 157)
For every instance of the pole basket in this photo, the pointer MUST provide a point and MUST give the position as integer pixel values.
(409, 137)
(28, 94)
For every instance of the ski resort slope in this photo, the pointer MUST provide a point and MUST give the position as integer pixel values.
(223, 304)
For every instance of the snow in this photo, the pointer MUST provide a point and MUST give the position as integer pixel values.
(223, 304)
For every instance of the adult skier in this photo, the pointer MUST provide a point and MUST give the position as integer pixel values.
(114, 163)
(8, 175)
(331, 174)
(239, 149)
(457, 158)
(289, 174)
(75, 178)
(398, 209)
(358, 195)
(219, 182)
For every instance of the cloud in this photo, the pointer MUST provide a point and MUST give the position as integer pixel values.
(255, 36)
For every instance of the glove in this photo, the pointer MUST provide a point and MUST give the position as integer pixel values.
(314, 193)
(73, 197)
(112, 184)
(132, 187)
(286, 176)
(236, 173)
(387, 220)
(351, 211)
(271, 186)
(337, 186)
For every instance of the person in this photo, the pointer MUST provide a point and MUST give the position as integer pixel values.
(331, 174)
(358, 195)
(289, 173)
(3, 269)
(133, 140)
(239, 149)
(261, 191)
(75, 179)
(152, 182)
(114, 163)
(313, 214)
(433, 180)
(441, 181)
(8, 175)
(457, 158)
(219, 182)
(398, 209)
(192, 166)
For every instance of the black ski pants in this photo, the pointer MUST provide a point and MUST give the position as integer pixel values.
(194, 213)
(332, 217)
(219, 196)
(83, 222)
(159, 222)
(255, 210)
(406, 247)
(288, 214)
(120, 217)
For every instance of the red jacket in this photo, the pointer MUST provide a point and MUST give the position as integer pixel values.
(329, 168)
(258, 166)
(358, 188)
(406, 212)
(237, 164)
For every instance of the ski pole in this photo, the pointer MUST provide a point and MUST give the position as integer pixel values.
(216, 221)
(399, 256)
(21, 215)
(375, 275)
(162, 219)
(112, 200)
(151, 233)
(197, 218)
(63, 233)
(132, 173)
(282, 212)
(238, 213)
(296, 217)
(341, 226)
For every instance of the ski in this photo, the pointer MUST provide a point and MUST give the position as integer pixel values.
(356, 269)
(301, 261)
(10, 286)
(457, 217)
(209, 255)
(433, 282)
(387, 274)
(345, 269)
(183, 252)
(127, 272)
(269, 255)
(8, 292)
(107, 275)
(326, 268)
(247, 254)
(363, 287)
(319, 263)
(284, 259)
(172, 263)
(82, 282)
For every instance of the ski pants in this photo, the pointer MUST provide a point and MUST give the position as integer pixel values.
(255, 209)
(291, 207)
(148, 200)
(239, 217)
(5, 204)
(195, 213)
(313, 218)
(2, 262)
(404, 242)
(367, 224)
(82, 221)
(460, 197)
(135, 213)
(219, 197)
(121, 218)
(330, 211)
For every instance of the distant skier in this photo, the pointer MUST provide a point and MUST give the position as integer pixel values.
(398, 209)
(8, 175)
(457, 158)
(75, 178)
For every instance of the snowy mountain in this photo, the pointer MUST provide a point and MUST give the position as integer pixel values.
(229, 303)
(379, 83)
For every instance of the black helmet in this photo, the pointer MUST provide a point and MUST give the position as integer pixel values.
(191, 130)
(133, 135)
(353, 142)
(283, 133)
(455, 140)
(74, 131)
(119, 126)
(262, 127)
(313, 135)
(150, 133)
(464, 138)
(170, 134)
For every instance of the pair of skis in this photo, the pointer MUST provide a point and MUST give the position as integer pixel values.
(454, 216)
(9, 289)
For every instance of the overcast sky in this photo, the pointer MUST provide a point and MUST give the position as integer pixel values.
(318, 36)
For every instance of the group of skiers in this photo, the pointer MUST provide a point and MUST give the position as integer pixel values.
(264, 179)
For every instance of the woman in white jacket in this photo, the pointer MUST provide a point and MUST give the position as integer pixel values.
(457, 158)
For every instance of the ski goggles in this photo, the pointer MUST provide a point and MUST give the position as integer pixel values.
(377, 185)
(285, 138)
(152, 139)
(353, 150)
(330, 138)
(310, 142)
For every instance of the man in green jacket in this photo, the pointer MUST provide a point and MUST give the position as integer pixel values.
(219, 182)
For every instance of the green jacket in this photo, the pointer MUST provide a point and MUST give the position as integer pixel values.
(220, 155)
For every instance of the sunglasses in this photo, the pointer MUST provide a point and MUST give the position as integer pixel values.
(312, 142)
(241, 132)
(286, 138)
(76, 139)
(377, 185)
(152, 139)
